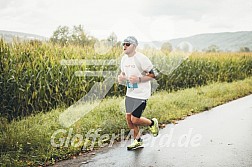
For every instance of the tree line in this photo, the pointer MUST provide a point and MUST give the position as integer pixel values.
(64, 36)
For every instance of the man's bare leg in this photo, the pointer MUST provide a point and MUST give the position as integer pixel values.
(133, 126)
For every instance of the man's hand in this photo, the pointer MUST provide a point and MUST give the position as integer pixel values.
(121, 78)
(133, 79)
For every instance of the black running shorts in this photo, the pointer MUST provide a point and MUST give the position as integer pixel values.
(135, 106)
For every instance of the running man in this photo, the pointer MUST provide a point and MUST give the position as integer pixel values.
(136, 72)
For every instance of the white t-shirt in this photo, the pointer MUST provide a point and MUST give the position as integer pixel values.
(130, 67)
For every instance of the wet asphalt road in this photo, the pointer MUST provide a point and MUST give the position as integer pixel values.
(221, 136)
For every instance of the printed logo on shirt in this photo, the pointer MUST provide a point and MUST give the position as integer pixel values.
(130, 66)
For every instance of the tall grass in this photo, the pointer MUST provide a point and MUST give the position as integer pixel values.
(202, 68)
(33, 80)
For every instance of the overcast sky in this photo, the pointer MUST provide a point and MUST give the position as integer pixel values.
(145, 19)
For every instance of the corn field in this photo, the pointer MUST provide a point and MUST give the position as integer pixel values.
(33, 80)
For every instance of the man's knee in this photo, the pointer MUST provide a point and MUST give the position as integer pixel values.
(135, 120)
(128, 118)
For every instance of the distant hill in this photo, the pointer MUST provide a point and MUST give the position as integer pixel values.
(225, 41)
(9, 35)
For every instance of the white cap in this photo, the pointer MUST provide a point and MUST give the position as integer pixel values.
(131, 40)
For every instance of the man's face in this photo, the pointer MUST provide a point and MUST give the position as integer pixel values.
(128, 48)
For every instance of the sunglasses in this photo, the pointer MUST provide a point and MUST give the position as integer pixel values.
(127, 44)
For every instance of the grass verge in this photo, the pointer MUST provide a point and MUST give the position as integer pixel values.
(29, 142)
